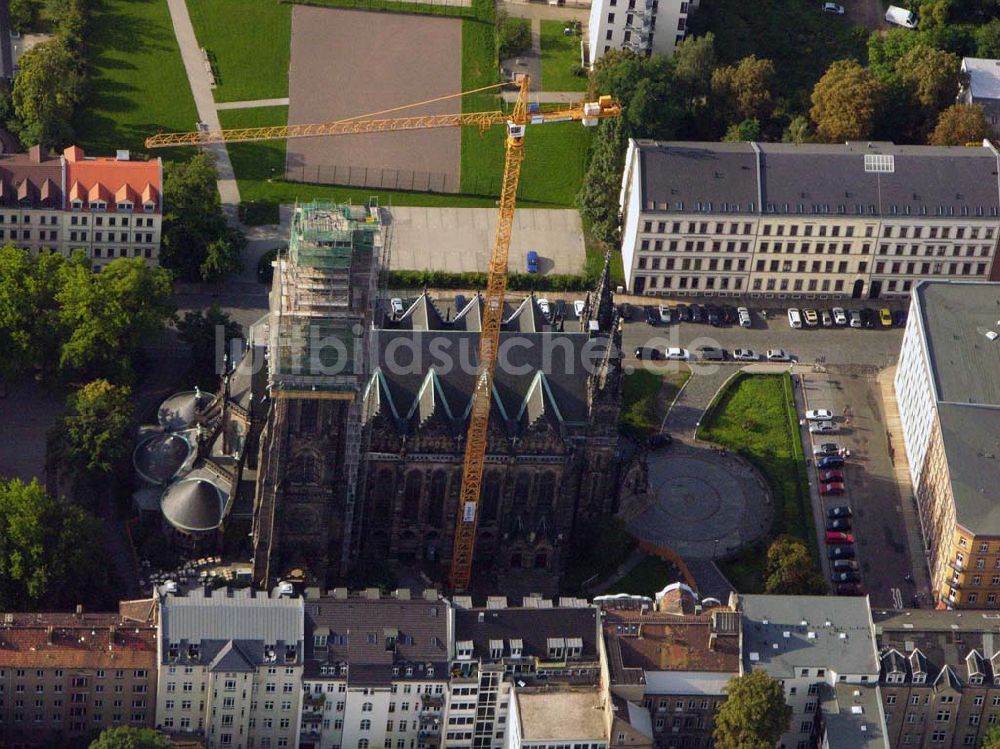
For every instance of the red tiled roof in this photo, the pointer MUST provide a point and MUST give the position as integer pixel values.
(71, 641)
(668, 642)
(98, 192)
(109, 176)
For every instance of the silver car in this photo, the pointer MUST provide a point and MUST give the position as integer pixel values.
(822, 427)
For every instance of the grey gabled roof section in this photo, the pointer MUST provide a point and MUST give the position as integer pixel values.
(819, 179)
(232, 659)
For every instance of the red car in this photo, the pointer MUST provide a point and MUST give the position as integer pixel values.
(831, 489)
(839, 537)
(831, 476)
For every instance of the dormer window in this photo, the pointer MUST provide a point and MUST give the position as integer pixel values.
(125, 206)
(556, 647)
(409, 670)
(464, 649)
(149, 206)
(919, 678)
(430, 671)
(895, 677)
(193, 652)
(496, 649)
(976, 679)
(99, 205)
(289, 653)
(77, 205)
(516, 648)
(574, 647)
(319, 640)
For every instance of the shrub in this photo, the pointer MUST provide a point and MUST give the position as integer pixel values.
(513, 35)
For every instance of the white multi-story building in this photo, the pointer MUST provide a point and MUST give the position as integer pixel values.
(230, 668)
(859, 220)
(377, 670)
(823, 651)
(642, 26)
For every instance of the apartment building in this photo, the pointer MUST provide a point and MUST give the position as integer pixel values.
(948, 391)
(672, 657)
(815, 221)
(940, 677)
(376, 670)
(822, 649)
(230, 667)
(105, 207)
(980, 85)
(642, 26)
(66, 676)
(501, 647)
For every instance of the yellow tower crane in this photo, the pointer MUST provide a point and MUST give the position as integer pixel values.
(588, 113)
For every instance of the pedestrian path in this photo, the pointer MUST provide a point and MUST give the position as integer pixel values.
(551, 97)
(252, 104)
(200, 80)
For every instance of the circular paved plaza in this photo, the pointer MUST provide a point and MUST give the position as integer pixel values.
(701, 503)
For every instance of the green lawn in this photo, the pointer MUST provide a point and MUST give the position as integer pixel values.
(248, 48)
(137, 81)
(755, 416)
(560, 57)
(649, 576)
(646, 397)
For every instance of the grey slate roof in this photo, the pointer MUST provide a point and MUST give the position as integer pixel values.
(193, 504)
(852, 714)
(533, 626)
(767, 619)
(213, 619)
(231, 658)
(971, 437)
(818, 179)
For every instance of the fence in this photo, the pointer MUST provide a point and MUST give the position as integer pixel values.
(376, 178)
(456, 8)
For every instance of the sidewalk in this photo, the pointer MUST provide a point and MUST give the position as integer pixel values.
(199, 78)
(819, 517)
(252, 104)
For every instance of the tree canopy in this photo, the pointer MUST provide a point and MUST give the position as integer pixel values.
(791, 570)
(598, 198)
(46, 91)
(47, 548)
(204, 331)
(959, 125)
(126, 737)
(97, 424)
(754, 714)
(931, 75)
(647, 90)
(844, 102)
(744, 89)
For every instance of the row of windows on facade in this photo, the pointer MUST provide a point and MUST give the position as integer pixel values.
(57, 673)
(806, 248)
(51, 220)
(82, 236)
(230, 686)
(809, 230)
(100, 205)
(841, 209)
(58, 703)
(57, 717)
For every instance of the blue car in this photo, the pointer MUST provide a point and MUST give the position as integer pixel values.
(532, 262)
(830, 461)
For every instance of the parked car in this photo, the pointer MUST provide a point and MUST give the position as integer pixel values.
(625, 311)
(845, 577)
(901, 17)
(683, 313)
(578, 307)
(659, 440)
(819, 414)
(697, 313)
(832, 489)
(545, 308)
(830, 461)
(677, 354)
(532, 261)
(839, 537)
(729, 315)
(823, 427)
(849, 589)
(885, 317)
(794, 318)
(460, 303)
(855, 318)
(868, 317)
(396, 305)
(744, 354)
(839, 316)
(834, 475)
(778, 354)
(842, 524)
(652, 316)
(846, 565)
(899, 318)
(840, 511)
(712, 353)
(666, 315)
(827, 448)
(826, 318)
(713, 315)
(744, 315)
(810, 317)
(833, 8)
(841, 552)
(647, 352)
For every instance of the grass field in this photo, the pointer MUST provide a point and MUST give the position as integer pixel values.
(646, 397)
(138, 85)
(560, 57)
(249, 50)
(755, 416)
(652, 574)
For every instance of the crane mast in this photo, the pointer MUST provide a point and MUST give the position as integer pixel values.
(477, 436)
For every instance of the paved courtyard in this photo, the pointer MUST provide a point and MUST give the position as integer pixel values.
(702, 504)
(461, 239)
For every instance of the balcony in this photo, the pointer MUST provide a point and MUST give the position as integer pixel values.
(465, 672)
(309, 733)
(431, 702)
(311, 700)
(430, 726)
(427, 740)
(312, 718)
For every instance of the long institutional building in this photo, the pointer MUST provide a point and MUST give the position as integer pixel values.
(758, 220)
(106, 207)
(948, 391)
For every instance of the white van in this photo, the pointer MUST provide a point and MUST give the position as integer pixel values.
(794, 318)
(901, 17)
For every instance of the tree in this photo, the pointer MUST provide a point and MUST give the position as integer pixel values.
(754, 714)
(513, 35)
(47, 549)
(992, 738)
(97, 425)
(791, 570)
(108, 315)
(193, 223)
(959, 125)
(799, 130)
(744, 89)
(694, 63)
(29, 333)
(21, 13)
(203, 331)
(886, 49)
(646, 88)
(844, 102)
(743, 131)
(126, 737)
(988, 40)
(598, 197)
(46, 90)
(930, 75)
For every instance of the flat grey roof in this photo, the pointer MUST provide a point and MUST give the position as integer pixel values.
(845, 645)
(956, 316)
(971, 436)
(561, 716)
(984, 77)
(819, 179)
(853, 716)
